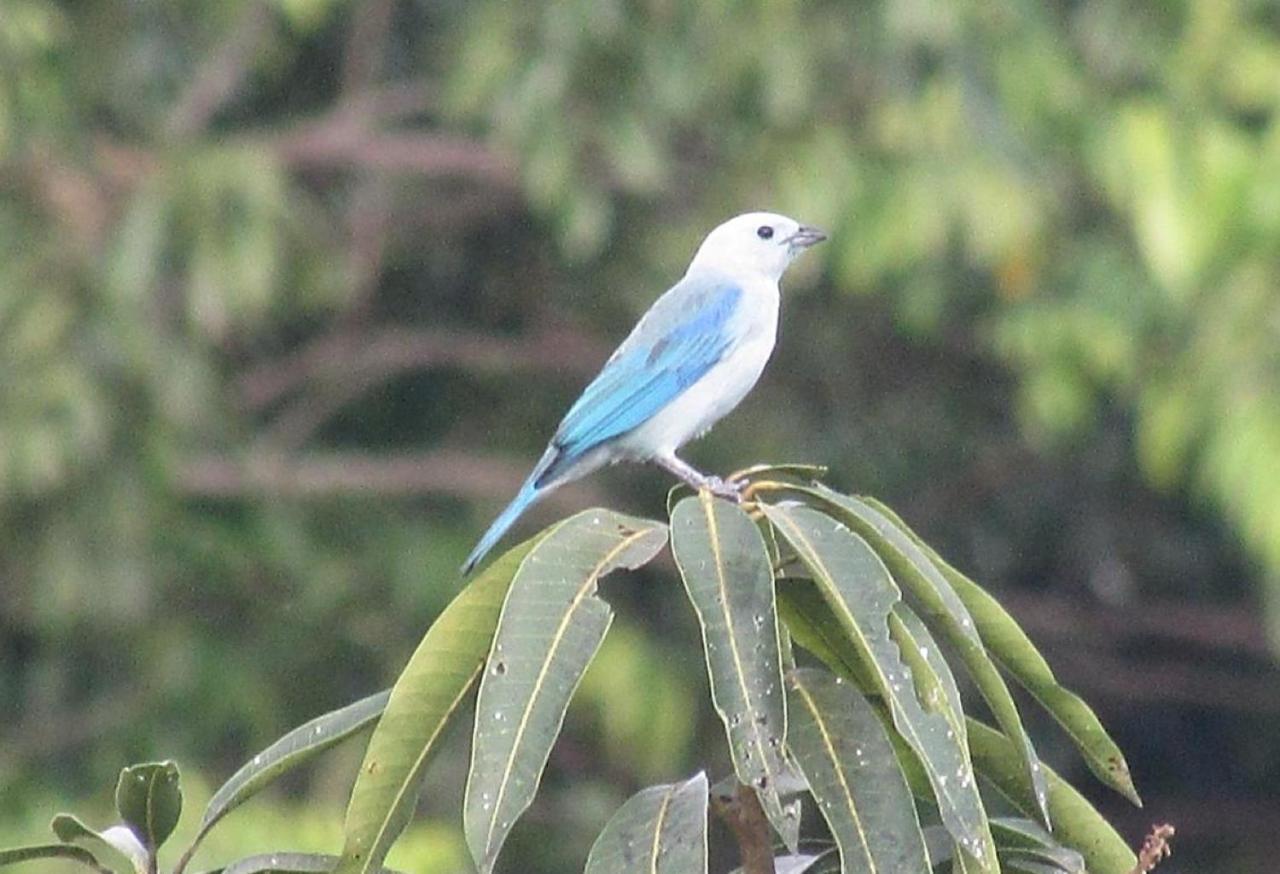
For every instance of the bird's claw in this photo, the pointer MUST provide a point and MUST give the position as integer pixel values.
(730, 490)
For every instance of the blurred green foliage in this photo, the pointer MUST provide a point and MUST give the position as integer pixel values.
(280, 279)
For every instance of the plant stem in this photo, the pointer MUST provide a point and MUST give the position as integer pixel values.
(745, 817)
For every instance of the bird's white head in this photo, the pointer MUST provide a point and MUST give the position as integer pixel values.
(761, 243)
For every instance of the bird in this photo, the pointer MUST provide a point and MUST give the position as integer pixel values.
(690, 360)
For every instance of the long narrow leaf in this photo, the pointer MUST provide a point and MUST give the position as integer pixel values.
(725, 565)
(815, 627)
(1015, 652)
(1076, 824)
(551, 625)
(862, 594)
(67, 852)
(428, 691)
(660, 830)
(936, 688)
(292, 750)
(848, 760)
(913, 569)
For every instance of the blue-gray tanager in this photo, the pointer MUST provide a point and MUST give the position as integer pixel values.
(692, 357)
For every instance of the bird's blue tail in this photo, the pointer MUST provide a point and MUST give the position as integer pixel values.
(528, 493)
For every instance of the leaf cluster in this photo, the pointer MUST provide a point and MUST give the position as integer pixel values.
(832, 635)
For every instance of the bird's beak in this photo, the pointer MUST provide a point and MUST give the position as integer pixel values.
(805, 237)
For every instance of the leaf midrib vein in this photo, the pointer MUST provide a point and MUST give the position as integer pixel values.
(713, 530)
(829, 746)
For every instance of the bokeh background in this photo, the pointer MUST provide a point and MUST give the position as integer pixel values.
(292, 292)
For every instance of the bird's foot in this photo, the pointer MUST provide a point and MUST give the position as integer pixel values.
(730, 490)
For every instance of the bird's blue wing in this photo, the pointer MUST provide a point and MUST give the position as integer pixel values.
(682, 337)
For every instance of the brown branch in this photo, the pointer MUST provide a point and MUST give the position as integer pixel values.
(745, 817)
(335, 144)
(368, 213)
(390, 351)
(222, 73)
(362, 62)
(1138, 683)
(1155, 848)
(447, 472)
(1232, 628)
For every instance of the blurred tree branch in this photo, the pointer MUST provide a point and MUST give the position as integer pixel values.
(385, 352)
(1212, 627)
(219, 78)
(447, 472)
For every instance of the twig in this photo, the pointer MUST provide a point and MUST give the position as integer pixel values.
(440, 472)
(1154, 849)
(390, 351)
(222, 74)
(368, 210)
(1235, 628)
(745, 817)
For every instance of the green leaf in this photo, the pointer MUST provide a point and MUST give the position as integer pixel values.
(934, 682)
(1018, 833)
(826, 862)
(149, 800)
(862, 594)
(1021, 864)
(292, 750)
(1060, 860)
(814, 625)
(1019, 839)
(914, 570)
(1015, 652)
(285, 863)
(425, 695)
(726, 570)
(849, 763)
(1076, 824)
(68, 852)
(660, 830)
(551, 624)
(119, 843)
(798, 471)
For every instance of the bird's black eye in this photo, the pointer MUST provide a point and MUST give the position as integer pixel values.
(764, 232)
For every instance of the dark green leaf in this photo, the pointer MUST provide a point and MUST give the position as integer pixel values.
(934, 682)
(149, 799)
(849, 763)
(1009, 644)
(293, 749)
(52, 851)
(1013, 831)
(660, 830)
(814, 625)
(862, 594)
(425, 695)
(1020, 864)
(914, 569)
(1060, 859)
(726, 570)
(1076, 824)
(551, 624)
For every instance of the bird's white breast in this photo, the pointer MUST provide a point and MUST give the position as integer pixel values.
(755, 325)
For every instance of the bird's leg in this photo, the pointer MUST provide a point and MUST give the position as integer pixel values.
(730, 490)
